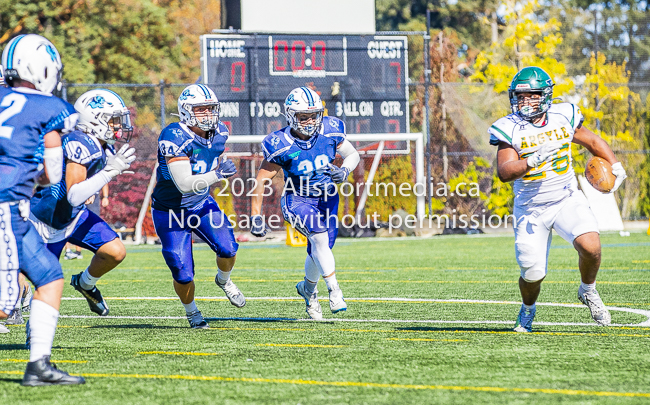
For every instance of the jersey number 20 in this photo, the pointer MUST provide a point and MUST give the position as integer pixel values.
(306, 166)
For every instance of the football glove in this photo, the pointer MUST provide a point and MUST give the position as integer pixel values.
(338, 174)
(120, 162)
(258, 226)
(543, 154)
(619, 172)
(226, 169)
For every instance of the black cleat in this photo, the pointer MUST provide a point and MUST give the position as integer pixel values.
(94, 297)
(42, 372)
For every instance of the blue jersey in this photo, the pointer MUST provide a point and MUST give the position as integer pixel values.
(25, 117)
(305, 163)
(50, 204)
(178, 140)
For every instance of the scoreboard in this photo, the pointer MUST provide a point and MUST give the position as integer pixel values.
(361, 78)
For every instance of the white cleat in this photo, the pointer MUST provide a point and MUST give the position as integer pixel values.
(3, 328)
(599, 312)
(26, 301)
(313, 306)
(196, 320)
(337, 303)
(232, 292)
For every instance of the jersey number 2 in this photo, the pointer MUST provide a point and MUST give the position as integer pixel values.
(15, 103)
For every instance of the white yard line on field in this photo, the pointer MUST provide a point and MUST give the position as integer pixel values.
(643, 312)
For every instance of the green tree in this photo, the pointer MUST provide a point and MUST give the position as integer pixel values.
(471, 20)
(623, 33)
(115, 40)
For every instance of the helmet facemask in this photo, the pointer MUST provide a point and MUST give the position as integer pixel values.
(119, 124)
(307, 127)
(536, 107)
(205, 119)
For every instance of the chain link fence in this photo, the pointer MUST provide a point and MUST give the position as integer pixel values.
(368, 99)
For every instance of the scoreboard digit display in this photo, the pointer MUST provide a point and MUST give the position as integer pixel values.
(300, 58)
(361, 78)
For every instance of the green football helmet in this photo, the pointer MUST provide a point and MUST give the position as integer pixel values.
(531, 80)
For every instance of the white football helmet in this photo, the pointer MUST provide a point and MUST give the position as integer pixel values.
(303, 100)
(198, 95)
(34, 59)
(103, 114)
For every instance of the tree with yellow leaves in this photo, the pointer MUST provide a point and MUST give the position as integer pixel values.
(526, 42)
(615, 113)
(611, 111)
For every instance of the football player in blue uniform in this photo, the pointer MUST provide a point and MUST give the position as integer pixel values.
(16, 317)
(59, 212)
(304, 150)
(30, 127)
(189, 163)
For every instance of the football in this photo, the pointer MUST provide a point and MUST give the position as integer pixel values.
(599, 174)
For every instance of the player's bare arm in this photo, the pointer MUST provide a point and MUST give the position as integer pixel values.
(74, 174)
(509, 166)
(512, 170)
(598, 147)
(594, 144)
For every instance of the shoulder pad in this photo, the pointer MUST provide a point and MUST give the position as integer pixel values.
(173, 140)
(502, 129)
(334, 128)
(64, 116)
(80, 148)
(568, 111)
(222, 129)
(275, 144)
(333, 125)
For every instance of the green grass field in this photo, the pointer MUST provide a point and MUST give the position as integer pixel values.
(414, 331)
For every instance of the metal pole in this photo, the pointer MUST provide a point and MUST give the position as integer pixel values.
(427, 112)
(419, 178)
(258, 128)
(342, 90)
(162, 104)
(445, 158)
(64, 90)
(137, 236)
(368, 185)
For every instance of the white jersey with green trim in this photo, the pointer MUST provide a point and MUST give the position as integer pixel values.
(555, 180)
